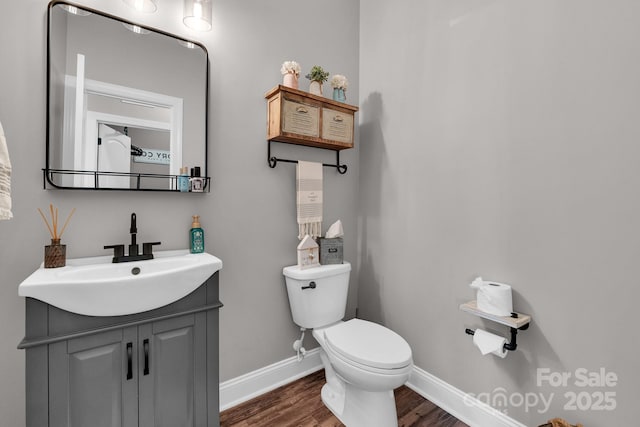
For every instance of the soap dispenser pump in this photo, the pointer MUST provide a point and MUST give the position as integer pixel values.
(196, 236)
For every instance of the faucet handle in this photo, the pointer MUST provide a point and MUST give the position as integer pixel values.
(147, 248)
(118, 250)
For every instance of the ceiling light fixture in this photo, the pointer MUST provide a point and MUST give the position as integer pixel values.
(197, 14)
(146, 6)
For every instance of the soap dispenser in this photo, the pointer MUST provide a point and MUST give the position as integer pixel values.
(196, 236)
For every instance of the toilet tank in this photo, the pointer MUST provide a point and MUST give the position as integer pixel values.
(318, 295)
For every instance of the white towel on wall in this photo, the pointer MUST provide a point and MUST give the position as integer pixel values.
(309, 199)
(5, 178)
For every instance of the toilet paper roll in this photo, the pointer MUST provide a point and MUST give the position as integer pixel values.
(494, 298)
(490, 343)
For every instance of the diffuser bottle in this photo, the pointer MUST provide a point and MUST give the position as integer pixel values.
(196, 236)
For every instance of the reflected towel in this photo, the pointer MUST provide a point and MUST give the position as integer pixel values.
(309, 199)
(5, 178)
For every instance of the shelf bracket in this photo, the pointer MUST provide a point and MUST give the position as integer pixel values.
(273, 161)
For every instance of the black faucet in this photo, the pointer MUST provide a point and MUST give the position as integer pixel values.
(134, 251)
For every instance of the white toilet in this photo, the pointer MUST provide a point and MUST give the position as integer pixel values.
(363, 361)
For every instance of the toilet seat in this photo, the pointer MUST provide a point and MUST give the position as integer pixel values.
(368, 345)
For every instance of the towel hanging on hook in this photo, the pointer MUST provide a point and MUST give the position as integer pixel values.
(309, 199)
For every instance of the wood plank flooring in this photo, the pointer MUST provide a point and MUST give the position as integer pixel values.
(299, 405)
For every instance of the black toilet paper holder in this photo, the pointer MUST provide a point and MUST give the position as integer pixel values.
(512, 344)
(515, 322)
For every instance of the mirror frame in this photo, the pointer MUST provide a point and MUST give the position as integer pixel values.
(48, 172)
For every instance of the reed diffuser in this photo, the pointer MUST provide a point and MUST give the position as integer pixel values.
(55, 254)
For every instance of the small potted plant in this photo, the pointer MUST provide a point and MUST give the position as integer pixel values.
(290, 71)
(317, 76)
(339, 84)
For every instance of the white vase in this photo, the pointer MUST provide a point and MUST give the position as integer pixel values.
(315, 88)
(290, 80)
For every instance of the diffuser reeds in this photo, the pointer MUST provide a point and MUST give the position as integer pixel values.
(53, 227)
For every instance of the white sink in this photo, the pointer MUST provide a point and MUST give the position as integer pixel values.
(97, 287)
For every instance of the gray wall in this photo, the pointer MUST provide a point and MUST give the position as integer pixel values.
(249, 217)
(500, 138)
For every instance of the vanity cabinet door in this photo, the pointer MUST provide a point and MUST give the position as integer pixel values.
(91, 380)
(172, 372)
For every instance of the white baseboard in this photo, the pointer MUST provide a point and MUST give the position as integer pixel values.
(461, 405)
(246, 387)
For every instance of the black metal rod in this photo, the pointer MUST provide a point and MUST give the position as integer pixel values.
(273, 161)
(511, 345)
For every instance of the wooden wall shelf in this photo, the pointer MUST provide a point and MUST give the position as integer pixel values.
(298, 117)
(520, 322)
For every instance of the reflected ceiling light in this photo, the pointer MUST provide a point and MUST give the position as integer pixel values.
(74, 10)
(197, 14)
(135, 28)
(146, 6)
(188, 45)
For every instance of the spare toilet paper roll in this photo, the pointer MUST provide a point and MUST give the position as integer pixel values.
(494, 298)
(490, 343)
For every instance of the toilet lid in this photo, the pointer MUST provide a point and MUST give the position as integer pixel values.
(369, 344)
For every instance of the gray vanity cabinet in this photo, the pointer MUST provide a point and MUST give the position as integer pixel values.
(153, 369)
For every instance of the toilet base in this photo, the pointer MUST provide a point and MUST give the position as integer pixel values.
(358, 408)
(353, 406)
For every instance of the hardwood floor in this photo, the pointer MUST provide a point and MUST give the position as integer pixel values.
(299, 405)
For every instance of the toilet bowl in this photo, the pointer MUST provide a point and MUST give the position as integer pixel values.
(363, 361)
(366, 354)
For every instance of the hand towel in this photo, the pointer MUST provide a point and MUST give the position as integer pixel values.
(309, 199)
(5, 178)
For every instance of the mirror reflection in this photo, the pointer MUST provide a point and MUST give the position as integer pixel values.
(127, 105)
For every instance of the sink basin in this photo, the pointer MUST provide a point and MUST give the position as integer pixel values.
(97, 287)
